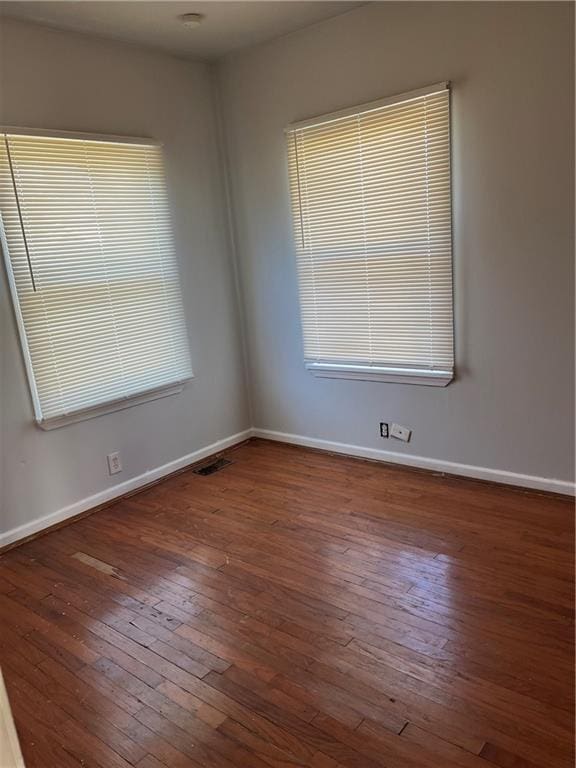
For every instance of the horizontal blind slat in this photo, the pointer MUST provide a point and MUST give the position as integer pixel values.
(106, 321)
(371, 207)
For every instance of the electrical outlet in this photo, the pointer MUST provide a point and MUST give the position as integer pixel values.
(400, 432)
(114, 463)
(383, 429)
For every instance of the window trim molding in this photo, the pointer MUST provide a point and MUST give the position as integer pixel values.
(19, 322)
(313, 122)
(18, 130)
(420, 376)
(110, 406)
(383, 373)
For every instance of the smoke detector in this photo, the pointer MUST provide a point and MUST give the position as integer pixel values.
(191, 20)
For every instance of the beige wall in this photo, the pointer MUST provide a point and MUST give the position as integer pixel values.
(511, 407)
(58, 80)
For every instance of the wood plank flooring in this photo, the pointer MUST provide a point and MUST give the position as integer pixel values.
(297, 609)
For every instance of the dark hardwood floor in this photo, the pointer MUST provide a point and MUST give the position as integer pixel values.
(297, 609)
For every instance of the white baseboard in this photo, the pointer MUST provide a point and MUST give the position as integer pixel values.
(448, 467)
(115, 491)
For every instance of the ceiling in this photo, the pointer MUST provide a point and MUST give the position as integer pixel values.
(227, 27)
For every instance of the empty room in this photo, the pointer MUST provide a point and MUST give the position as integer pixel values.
(286, 384)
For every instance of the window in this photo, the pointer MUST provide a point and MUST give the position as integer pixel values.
(93, 273)
(370, 190)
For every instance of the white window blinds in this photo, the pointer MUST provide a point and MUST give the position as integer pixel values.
(93, 272)
(370, 192)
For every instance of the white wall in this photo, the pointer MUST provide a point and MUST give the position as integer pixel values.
(511, 407)
(51, 79)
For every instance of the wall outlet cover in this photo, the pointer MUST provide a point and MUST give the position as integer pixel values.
(383, 429)
(400, 432)
(114, 463)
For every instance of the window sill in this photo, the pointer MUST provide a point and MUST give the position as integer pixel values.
(118, 405)
(372, 373)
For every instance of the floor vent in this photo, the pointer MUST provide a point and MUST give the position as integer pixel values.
(214, 466)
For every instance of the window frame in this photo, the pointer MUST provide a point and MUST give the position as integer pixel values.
(111, 406)
(361, 371)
